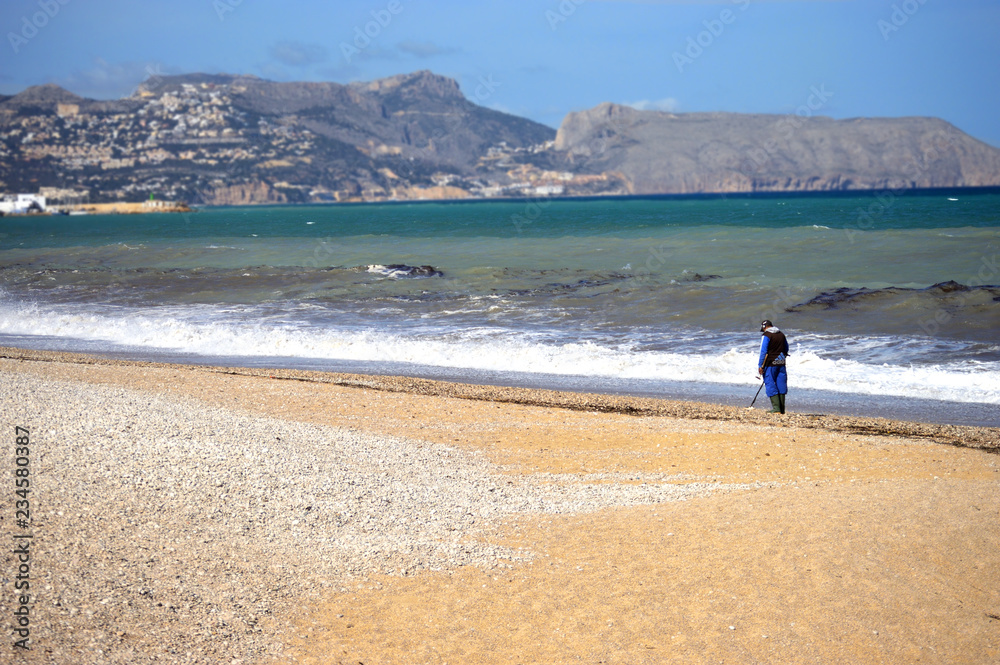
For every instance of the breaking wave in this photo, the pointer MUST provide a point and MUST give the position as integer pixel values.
(815, 362)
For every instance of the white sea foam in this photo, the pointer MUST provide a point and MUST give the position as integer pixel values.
(235, 331)
(386, 270)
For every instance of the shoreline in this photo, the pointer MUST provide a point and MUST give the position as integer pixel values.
(667, 196)
(982, 438)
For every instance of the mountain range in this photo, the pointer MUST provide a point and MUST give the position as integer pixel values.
(228, 139)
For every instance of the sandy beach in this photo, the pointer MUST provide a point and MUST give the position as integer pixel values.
(187, 514)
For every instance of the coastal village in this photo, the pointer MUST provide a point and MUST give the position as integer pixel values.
(166, 147)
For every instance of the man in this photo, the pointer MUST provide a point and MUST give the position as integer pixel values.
(771, 365)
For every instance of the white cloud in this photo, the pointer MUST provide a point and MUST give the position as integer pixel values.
(424, 49)
(668, 104)
(298, 54)
(105, 80)
(502, 108)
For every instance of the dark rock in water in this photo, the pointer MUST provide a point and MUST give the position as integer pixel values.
(948, 287)
(703, 278)
(833, 299)
(425, 271)
(845, 295)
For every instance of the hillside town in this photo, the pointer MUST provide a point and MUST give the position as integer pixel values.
(111, 156)
(194, 143)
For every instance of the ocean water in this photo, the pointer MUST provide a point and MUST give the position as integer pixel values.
(886, 300)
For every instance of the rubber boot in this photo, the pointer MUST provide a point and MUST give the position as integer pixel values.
(781, 402)
(776, 404)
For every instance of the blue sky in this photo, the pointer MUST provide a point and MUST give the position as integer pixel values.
(544, 58)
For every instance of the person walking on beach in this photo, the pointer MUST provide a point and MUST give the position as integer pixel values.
(771, 364)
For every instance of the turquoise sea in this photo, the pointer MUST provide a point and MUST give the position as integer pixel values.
(891, 302)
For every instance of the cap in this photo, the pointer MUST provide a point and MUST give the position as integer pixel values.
(765, 324)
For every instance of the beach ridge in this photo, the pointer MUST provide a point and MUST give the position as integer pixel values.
(982, 438)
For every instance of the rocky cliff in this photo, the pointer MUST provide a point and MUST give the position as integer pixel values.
(658, 152)
(239, 195)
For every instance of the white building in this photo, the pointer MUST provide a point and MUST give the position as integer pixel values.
(550, 190)
(21, 203)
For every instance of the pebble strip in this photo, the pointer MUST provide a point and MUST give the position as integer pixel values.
(167, 531)
(983, 438)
